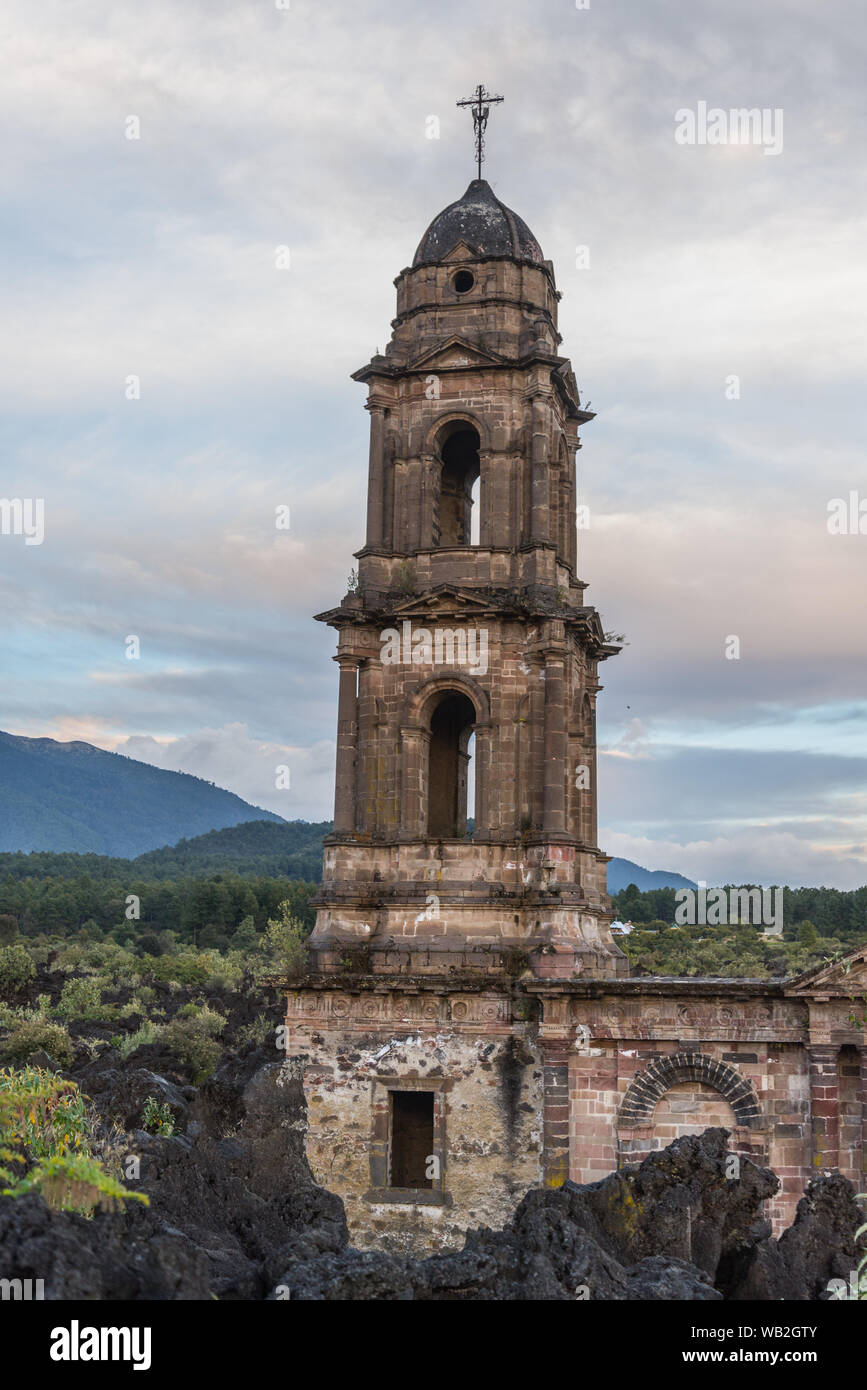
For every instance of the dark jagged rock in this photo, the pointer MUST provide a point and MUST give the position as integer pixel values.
(234, 1213)
(229, 1207)
(111, 1256)
(679, 1202)
(122, 1095)
(817, 1247)
(676, 1227)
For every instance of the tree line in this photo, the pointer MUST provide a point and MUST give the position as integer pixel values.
(132, 909)
(834, 912)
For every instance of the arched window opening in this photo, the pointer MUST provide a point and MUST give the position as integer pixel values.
(451, 727)
(460, 471)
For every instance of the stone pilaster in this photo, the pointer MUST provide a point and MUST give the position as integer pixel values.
(556, 743)
(347, 733)
(376, 478)
(414, 748)
(540, 525)
(555, 1110)
(824, 1106)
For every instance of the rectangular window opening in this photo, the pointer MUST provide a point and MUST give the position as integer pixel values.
(412, 1138)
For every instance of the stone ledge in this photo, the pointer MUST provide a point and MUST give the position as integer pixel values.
(407, 1196)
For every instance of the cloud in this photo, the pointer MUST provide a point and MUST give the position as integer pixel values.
(307, 128)
(232, 758)
(744, 857)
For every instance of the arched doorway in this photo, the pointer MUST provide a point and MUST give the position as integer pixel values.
(690, 1107)
(451, 725)
(460, 472)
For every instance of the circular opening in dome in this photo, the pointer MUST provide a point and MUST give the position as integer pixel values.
(463, 281)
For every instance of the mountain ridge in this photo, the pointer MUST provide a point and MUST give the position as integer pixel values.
(622, 872)
(75, 798)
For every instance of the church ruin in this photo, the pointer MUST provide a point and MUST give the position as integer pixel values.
(468, 1026)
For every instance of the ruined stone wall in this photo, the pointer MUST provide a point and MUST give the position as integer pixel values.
(747, 1064)
(486, 1074)
(546, 1080)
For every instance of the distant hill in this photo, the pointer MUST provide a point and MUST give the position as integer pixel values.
(74, 797)
(622, 872)
(291, 849)
(90, 788)
(254, 849)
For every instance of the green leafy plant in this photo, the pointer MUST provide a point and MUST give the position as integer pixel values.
(259, 1031)
(286, 942)
(44, 1112)
(80, 1000)
(148, 1033)
(192, 1037)
(158, 1118)
(38, 1035)
(16, 969)
(46, 1134)
(76, 1184)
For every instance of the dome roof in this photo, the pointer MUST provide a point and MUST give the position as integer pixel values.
(484, 223)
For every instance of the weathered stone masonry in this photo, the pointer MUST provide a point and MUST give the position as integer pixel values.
(468, 1025)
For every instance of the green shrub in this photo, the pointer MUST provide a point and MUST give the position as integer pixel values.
(286, 942)
(38, 1012)
(13, 1014)
(47, 1140)
(16, 969)
(192, 1038)
(38, 1035)
(188, 968)
(39, 952)
(148, 1033)
(227, 972)
(69, 958)
(80, 999)
(259, 1031)
(49, 1114)
(158, 1119)
(126, 981)
(140, 1006)
(106, 957)
(211, 1022)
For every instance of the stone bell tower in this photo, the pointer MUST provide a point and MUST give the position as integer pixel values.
(463, 870)
(468, 632)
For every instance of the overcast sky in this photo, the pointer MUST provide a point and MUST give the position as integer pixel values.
(261, 127)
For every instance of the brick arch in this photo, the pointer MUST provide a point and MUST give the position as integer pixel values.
(437, 431)
(650, 1086)
(416, 710)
